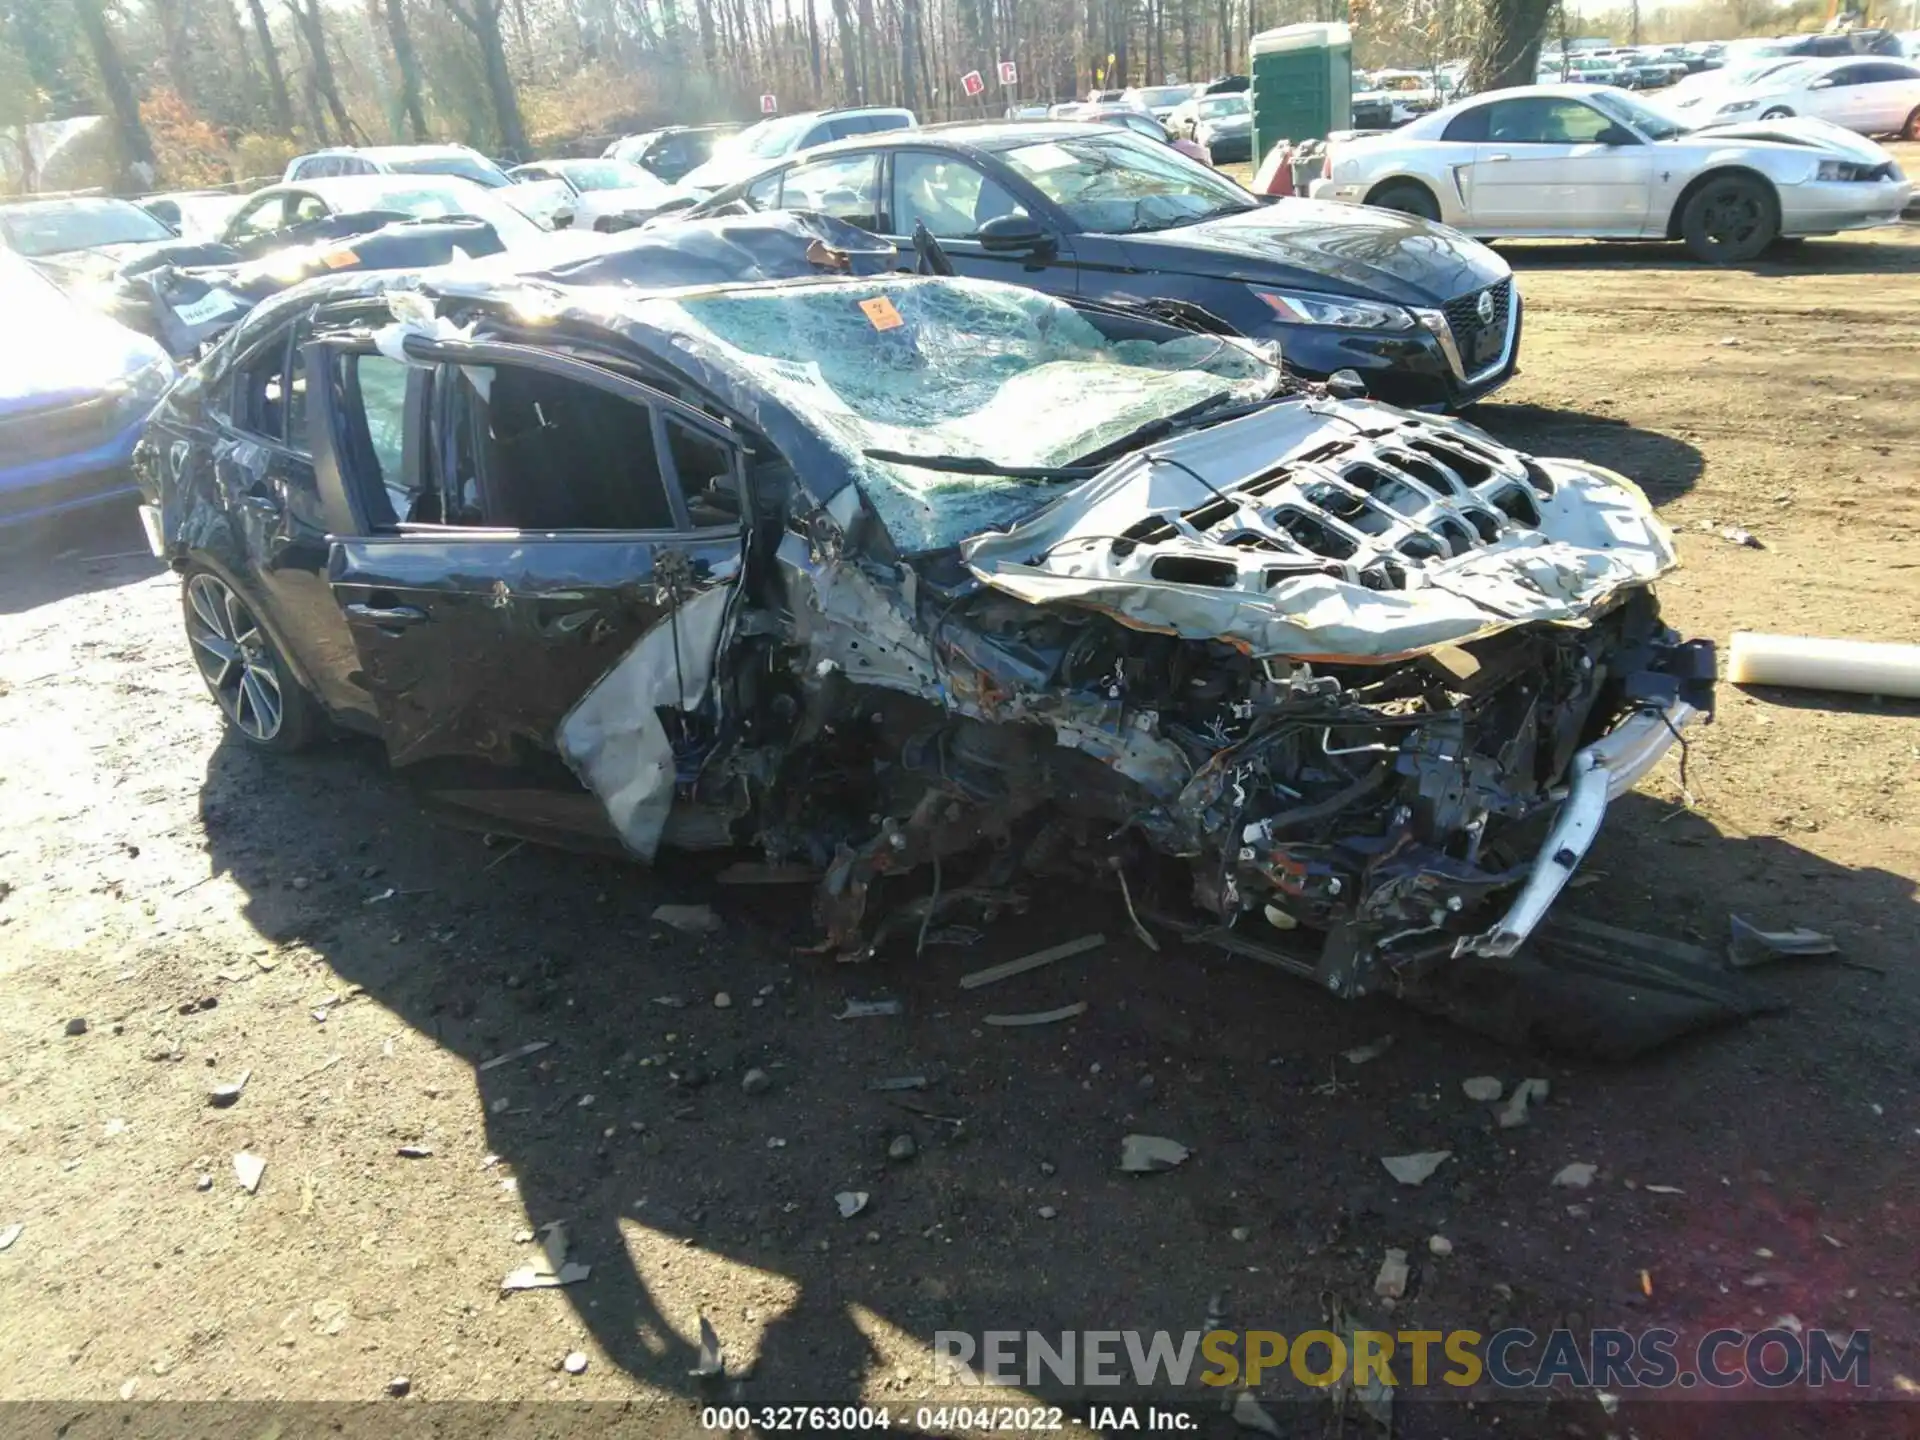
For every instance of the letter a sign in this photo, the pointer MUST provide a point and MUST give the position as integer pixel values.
(768, 104)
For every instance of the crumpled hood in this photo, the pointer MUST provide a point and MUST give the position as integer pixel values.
(76, 355)
(1334, 531)
(1800, 132)
(70, 268)
(1318, 245)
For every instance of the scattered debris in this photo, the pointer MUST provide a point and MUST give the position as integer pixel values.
(1414, 1169)
(670, 1002)
(1034, 961)
(688, 919)
(1144, 1154)
(899, 1082)
(248, 1169)
(552, 1269)
(1439, 1245)
(1646, 1284)
(756, 1082)
(10, 1234)
(532, 1047)
(1248, 1414)
(722, 1001)
(221, 1096)
(1748, 945)
(1514, 1112)
(575, 1363)
(1732, 534)
(712, 1361)
(902, 1147)
(1391, 1282)
(851, 1203)
(1038, 1017)
(1576, 1176)
(1482, 1088)
(398, 1386)
(1047, 1212)
(203, 1182)
(1373, 1050)
(868, 1009)
(1241, 1233)
(415, 1152)
(77, 1025)
(1663, 1189)
(1856, 667)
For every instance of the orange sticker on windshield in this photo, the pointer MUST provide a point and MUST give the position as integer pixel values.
(881, 314)
(336, 259)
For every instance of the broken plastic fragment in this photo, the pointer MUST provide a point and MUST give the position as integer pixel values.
(1577, 1176)
(1248, 1414)
(1373, 1050)
(851, 1203)
(248, 1169)
(1483, 1088)
(688, 919)
(868, 1009)
(1748, 945)
(1034, 961)
(1037, 1017)
(532, 1047)
(1415, 1168)
(10, 1234)
(1145, 1154)
(1391, 1282)
(1514, 1112)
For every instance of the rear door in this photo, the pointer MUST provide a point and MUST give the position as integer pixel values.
(509, 525)
(1888, 92)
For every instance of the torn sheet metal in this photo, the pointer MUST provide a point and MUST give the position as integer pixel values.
(614, 739)
(1325, 531)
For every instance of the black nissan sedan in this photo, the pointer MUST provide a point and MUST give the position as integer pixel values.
(1429, 318)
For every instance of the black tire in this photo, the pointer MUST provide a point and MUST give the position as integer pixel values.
(1911, 130)
(263, 704)
(1407, 198)
(1778, 112)
(1729, 220)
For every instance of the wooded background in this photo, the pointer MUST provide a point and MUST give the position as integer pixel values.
(201, 92)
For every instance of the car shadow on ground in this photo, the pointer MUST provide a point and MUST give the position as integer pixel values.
(46, 562)
(1823, 255)
(1665, 467)
(671, 1166)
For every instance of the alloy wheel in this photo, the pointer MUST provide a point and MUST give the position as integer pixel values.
(234, 657)
(1733, 215)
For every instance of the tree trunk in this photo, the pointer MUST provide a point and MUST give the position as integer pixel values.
(314, 28)
(113, 79)
(171, 15)
(408, 65)
(909, 42)
(276, 80)
(813, 46)
(849, 60)
(1507, 51)
(483, 21)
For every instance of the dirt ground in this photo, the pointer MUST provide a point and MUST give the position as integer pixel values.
(357, 960)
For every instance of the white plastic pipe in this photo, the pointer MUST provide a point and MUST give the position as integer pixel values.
(1858, 667)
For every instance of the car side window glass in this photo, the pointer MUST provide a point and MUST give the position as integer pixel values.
(381, 386)
(306, 207)
(1469, 127)
(821, 134)
(764, 194)
(265, 392)
(706, 474)
(845, 187)
(950, 197)
(296, 407)
(556, 454)
(260, 218)
(1544, 120)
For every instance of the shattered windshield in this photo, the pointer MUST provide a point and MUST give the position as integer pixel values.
(1116, 185)
(55, 226)
(966, 368)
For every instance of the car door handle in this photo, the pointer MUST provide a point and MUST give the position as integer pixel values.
(387, 616)
(1491, 158)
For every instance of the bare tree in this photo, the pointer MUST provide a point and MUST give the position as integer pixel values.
(276, 79)
(320, 66)
(1508, 49)
(482, 20)
(409, 67)
(134, 140)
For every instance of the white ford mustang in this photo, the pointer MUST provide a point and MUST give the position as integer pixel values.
(1589, 161)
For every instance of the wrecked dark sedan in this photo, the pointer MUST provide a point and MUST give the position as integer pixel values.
(931, 585)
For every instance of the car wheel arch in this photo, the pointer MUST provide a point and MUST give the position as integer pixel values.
(199, 556)
(1707, 177)
(1404, 181)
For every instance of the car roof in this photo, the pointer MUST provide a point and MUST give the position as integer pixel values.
(392, 152)
(348, 189)
(23, 202)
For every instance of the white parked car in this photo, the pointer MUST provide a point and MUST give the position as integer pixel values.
(1871, 94)
(1698, 96)
(1588, 161)
(608, 194)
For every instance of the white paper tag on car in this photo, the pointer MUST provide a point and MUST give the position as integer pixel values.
(211, 306)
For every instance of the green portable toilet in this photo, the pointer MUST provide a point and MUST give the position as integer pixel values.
(1302, 84)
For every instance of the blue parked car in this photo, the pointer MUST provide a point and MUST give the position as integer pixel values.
(75, 392)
